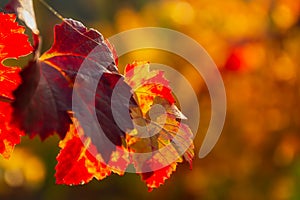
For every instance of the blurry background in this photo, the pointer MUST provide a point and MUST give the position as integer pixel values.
(256, 46)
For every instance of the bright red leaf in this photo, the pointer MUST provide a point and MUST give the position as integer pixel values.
(11, 36)
(77, 163)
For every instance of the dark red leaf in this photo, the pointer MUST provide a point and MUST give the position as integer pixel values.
(106, 119)
(45, 96)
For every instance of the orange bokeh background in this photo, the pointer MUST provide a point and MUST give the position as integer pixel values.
(255, 45)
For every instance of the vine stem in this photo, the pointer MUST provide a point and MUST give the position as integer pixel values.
(51, 9)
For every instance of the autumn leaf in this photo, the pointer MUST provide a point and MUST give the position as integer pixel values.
(159, 139)
(11, 36)
(45, 96)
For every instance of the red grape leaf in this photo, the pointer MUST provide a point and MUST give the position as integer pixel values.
(45, 96)
(11, 36)
(77, 163)
(159, 139)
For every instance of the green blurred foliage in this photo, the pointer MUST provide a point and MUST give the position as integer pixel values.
(256, 46)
